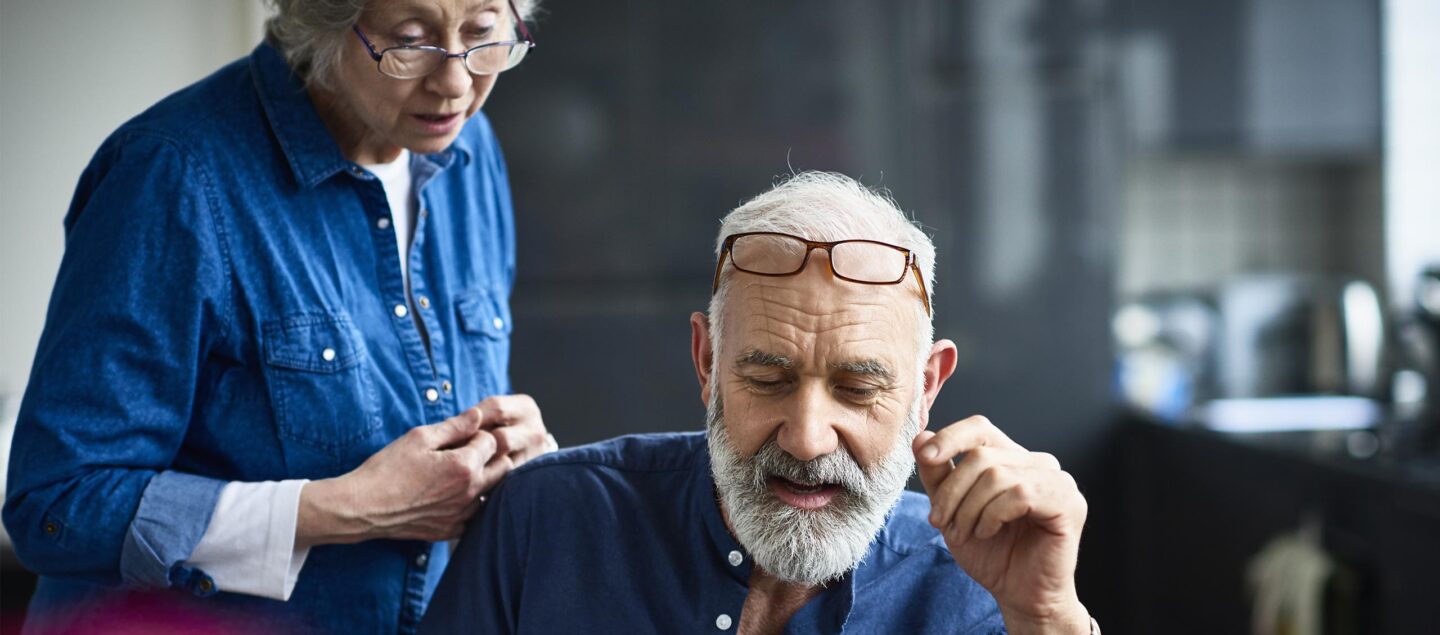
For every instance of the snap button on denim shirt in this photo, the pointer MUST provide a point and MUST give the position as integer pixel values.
(230, 308)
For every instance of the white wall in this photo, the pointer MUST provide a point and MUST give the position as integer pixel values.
(71, 71)
(1412, 143)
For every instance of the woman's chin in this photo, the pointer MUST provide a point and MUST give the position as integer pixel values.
(430, 144)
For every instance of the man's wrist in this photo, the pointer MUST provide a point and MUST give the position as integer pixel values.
(1070, 620)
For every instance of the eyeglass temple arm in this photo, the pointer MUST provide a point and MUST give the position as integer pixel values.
(374, 54)
(719, 265)
(520, 24)
(924, 296)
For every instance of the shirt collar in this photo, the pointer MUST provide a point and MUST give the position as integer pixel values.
(830, 609)
(311, 152)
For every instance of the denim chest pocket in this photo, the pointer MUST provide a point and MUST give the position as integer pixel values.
(320, 386)
(484, 318)
(481, 313)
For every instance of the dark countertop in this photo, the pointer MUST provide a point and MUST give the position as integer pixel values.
(1194, 506)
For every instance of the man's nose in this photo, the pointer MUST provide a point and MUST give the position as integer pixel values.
(809, 430)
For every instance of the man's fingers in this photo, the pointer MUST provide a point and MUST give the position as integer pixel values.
(945, 500)
(963, 436)
(1012, 504)
(1047, 495)
(931, 474)
(990, 484)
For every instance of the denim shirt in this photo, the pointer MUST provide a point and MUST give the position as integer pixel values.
(626, 537)
(230, 308)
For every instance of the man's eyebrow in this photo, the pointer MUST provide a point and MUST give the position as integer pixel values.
(761, 358)
(867, 368)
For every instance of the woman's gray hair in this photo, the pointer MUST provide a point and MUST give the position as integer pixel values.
(311, 33)
(828, 206)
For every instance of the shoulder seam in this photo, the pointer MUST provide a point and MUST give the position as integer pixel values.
(207, 191)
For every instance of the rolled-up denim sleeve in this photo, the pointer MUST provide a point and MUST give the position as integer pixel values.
(141, 300)
(174, 511)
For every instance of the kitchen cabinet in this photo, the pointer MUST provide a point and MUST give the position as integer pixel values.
(1269, 77)
(1195, 506)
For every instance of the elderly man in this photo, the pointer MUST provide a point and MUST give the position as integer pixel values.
(817, 369)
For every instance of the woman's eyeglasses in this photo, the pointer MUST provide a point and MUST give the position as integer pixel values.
(411, 62)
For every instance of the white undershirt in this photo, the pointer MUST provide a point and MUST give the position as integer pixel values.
(249, 546)
(395, 177)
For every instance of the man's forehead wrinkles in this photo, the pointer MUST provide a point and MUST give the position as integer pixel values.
(817, 319)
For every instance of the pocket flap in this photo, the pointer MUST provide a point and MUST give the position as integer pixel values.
(481, 312)
(316, 343)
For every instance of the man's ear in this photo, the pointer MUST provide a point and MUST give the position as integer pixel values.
(938, 368)
(700, 352)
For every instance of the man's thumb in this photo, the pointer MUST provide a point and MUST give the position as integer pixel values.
(931, 473)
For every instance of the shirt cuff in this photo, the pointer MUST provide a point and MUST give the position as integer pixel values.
(173, 513)
(249, 546)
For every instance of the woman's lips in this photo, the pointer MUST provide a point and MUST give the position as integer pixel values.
(436, 123)
(803, 496)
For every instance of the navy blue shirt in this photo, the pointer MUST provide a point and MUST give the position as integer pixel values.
(626, 536)
(230, 308)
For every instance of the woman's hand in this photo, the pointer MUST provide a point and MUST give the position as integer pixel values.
(515, 422)
(426, 484)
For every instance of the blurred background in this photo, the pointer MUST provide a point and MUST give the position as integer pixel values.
(1190, 247)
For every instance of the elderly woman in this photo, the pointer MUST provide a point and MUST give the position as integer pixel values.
(270, 382)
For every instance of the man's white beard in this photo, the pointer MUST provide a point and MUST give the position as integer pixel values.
(807, 546)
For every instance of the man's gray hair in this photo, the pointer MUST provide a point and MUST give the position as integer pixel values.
(311, 33)
(827, 206)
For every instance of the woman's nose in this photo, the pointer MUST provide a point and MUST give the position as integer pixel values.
(452, 80)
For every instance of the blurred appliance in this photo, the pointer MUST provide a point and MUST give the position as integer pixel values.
(1165, 352)
(1296, 334)
(1416, 384)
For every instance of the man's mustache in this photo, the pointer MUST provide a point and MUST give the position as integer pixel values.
(836, 468)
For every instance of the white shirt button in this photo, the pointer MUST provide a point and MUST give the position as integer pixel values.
(432, 395)
(383, 223)
(736, 558)
(723, 622)
(421, 560)
(499, 323)
(401, 311)
(328, 354)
